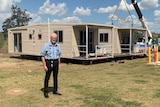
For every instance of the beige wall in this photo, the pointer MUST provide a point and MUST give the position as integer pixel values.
(33, 46)
(75, 42)
(108, 46)
(10, 42)
(109, 31)
(117, 48)
(70, 38)
(67, 39)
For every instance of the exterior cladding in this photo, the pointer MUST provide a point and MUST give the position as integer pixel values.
(31, 44)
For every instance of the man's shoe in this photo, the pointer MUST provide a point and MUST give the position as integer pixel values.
(46, 95)
(56, 93)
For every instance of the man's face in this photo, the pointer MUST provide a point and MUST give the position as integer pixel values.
(53, 39)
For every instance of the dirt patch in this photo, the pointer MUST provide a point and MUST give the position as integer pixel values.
(7, 64)
(16, 91)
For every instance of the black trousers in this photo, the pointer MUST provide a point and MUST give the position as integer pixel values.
(52, 67)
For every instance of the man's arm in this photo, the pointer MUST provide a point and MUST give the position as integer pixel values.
(59, 61)
(44, 64)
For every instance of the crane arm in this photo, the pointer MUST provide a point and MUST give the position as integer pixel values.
(141, 18)
(137, 9)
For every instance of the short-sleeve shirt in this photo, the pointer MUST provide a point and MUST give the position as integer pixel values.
(50, 51)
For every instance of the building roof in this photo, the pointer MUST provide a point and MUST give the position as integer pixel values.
(133, 28)
(62, 24)
(95, 25)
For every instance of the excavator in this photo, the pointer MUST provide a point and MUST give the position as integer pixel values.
(151, 40)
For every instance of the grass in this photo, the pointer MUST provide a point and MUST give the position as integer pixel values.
(3, 44)
(130, 84)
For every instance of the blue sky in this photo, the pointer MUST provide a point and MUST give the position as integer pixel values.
(85, 11)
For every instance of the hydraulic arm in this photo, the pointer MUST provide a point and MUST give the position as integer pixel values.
(141, 18)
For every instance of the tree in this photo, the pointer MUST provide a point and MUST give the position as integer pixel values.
(18, 18)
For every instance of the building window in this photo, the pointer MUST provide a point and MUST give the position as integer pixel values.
(103, 37)
(60, 36)
(30, 36)
(39, 37)
(125, 38)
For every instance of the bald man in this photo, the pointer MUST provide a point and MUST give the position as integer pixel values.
(50, 55)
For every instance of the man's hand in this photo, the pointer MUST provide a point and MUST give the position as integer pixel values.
(45, 68)
(59, 63)
(58, 66)
(44, 64)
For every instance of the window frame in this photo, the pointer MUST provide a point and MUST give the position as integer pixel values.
(39, 36)
(30, 36)
(103, 37)
(59, 35)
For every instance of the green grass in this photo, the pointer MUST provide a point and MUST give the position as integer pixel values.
(130, 84)
(157, 94)
(3, 44)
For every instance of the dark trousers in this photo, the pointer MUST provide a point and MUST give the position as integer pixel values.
(52, 67)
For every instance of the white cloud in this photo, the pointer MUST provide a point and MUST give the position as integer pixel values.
(157, 13)
(126, 22)
(136, 21)
(16, 1)
(82, 11)
(108, 9)
(52, 9)
(110, 16)
(4, 16)
(5, 8)
(35, 18)
(144, 4)
(5, 5)
(157, 20)
(152, 26)
(72, 19)
(123, 6)
(148, 4)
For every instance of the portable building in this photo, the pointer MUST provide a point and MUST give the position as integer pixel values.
(84, 41)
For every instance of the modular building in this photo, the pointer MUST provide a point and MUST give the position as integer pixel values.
(81, 41)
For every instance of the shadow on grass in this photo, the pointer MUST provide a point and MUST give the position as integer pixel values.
(79, 60)
(50, 89)
(26, 57)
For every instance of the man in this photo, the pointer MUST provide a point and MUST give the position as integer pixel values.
(50, 56)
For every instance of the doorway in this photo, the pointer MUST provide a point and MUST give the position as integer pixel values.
(125, 41)
(90, 41)
(17, 42)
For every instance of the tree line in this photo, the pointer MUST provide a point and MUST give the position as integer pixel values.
(18, 18)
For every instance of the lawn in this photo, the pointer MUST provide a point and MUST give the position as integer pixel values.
(133, 83)
(3, 43)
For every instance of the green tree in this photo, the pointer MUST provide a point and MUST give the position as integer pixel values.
(18, 18)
